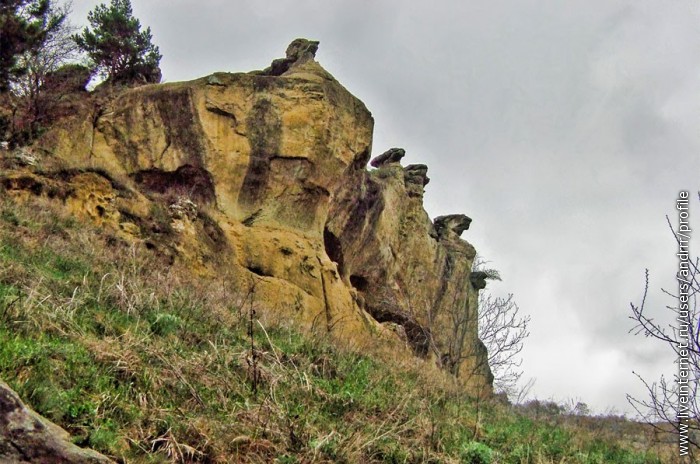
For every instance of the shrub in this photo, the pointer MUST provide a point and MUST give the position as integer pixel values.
(476, 453)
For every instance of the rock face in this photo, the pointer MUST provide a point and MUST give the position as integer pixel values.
(264, 175)
(406, 269)
(26, 437)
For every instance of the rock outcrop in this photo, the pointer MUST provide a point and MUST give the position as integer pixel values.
(393, 155)
(452, 224)
(406, 269)
(264, 174)
(26, 437)
(299, 51)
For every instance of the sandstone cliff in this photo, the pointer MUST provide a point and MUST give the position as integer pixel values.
(263, 176)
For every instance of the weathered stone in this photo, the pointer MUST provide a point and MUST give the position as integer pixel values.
(416, 174)
(452, 223)
(183, 208)
(67, 79)
(299, 51)
(24, 157)
(478, 279)
(214, 80)
(405, 271)
(415, 178)
(392, 155)
(277, 161)
(264, 154)
(26, 437)
(302, 49)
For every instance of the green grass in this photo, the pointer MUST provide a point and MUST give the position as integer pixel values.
(148, 364)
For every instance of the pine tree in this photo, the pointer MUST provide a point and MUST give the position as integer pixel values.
(24, 25)
(118, 48)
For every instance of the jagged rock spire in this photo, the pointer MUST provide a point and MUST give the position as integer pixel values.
(456, 223)
(416, 174)
(393, 155)
(478, 279)
(299, 51)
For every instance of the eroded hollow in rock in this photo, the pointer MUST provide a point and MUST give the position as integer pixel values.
(257, 270)
(334, 249)
(186, 181)
(359, 282)
(419, 337)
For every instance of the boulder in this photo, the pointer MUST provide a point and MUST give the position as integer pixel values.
(415, 177)
(26, 437)
(416, 174)
(69, 78)
(478, 279)
(452, 224)
(299, 51)
(390, 156)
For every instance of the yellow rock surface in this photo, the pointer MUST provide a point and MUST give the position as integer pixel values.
(263, 176)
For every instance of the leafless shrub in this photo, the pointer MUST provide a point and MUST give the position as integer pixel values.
(663, 406)
(32, 92)
(503, 330)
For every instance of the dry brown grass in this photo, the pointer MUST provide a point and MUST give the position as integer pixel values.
(147, 362)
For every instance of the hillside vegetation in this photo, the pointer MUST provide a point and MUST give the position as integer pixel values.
(144, 362)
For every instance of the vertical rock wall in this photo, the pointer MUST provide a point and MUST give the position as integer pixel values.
(407, 269)
(276, 160)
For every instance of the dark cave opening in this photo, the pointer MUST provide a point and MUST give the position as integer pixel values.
(334, 249)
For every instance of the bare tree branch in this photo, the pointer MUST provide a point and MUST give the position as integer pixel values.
(500, 327)
(663, 401)
(503, 330)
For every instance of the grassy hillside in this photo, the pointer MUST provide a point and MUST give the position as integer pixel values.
(146, 363)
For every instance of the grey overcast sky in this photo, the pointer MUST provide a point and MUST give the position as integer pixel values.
(565, 129)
